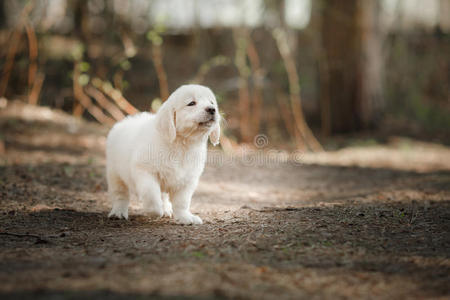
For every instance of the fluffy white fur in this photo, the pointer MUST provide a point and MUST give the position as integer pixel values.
(160, 157)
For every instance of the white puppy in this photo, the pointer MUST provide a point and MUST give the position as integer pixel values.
(162, 155)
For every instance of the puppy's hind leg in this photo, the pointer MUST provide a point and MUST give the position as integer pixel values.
(118, 195)
(149, 193)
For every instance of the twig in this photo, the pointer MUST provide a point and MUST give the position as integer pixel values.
(294, 90)
(128, 44)
(14, 45)
(78, 109)
(160, 72)
(240, 42)
(33, 54)
(105, 103)
(116, 95)
(25, 235)
(86, 102)
(258, 72)
(273, 209)
(35, 78)
(20, 234)
(118, 79)
(413, 211)
(36, 88)
(9, 61)
(287, 118)
(325, 99)
(216, 61)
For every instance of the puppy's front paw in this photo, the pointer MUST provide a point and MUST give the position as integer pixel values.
(119, 211)
(186, 218)
(167, 208)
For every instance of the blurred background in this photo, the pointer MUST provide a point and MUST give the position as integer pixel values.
(306, 74)
(366, 81)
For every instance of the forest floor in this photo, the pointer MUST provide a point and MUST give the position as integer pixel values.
(362, 222)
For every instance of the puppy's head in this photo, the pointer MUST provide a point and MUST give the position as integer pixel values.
(190, 112)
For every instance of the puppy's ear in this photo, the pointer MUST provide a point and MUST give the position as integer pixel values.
(214, 136)
(166, 122)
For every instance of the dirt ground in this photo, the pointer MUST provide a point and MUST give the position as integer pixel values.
(362, 222)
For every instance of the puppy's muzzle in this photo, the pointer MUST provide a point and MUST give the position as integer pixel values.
(210, 110)
(210, 118)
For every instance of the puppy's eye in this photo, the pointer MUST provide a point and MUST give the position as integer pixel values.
(192, 103)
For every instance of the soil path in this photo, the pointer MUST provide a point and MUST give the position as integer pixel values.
(367, 229)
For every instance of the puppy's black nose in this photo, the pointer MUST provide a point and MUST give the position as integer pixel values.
(211, 110)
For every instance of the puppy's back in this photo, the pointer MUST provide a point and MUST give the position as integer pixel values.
(122, 137)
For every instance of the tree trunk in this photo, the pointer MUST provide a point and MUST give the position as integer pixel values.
(81, 15)
(351, 81)
(444, 15)
(2, 15)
